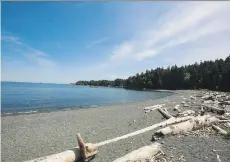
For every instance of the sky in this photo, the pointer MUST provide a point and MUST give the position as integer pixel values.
(63, 42)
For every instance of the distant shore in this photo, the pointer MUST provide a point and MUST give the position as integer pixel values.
(36, 135)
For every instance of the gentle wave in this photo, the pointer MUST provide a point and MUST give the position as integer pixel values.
(27, 112)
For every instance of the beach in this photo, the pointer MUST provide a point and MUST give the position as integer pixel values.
(26, 137)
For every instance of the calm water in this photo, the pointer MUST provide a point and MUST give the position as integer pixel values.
(34, 97)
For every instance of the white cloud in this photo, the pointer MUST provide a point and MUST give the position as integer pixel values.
(187, 22)
(145, 54)
(187, 32)
(124, 50)
(11, 39)
(97, 42)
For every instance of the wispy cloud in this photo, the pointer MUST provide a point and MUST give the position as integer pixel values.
(181, 33)
(26, 62)
(11, 39)
(97, 42)
(186, 23)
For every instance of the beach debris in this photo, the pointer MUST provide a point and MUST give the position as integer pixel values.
(176, 108)
(154, 107)
(215, 109)
(142, 154)
(187, 113)
(185, 105)
(192, 97)
(194, 123)
(181, 124)
(165, 114)
(87, 150)
(218, 158)
(219, 130)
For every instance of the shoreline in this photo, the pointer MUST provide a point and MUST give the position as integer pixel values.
(36, 135)
(50, 110)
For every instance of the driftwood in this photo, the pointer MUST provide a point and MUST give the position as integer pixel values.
(219, 130)
(202, 111)
(143, 154)
(74, 155)
(83, 152)
(218, 158)
(187, 126)
(215, 109)
(165, 114)
(176, 108)
(187, 113)
(87, 150)
(152, 108)
(162, 124)
(66, 156)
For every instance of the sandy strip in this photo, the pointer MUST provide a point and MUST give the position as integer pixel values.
(26, 137)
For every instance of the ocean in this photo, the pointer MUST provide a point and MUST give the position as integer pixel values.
(26, 98)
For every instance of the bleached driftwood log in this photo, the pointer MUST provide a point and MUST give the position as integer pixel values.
(83, 152)
(219, 130)
(66, 156)
(193, 124)
(215, 109)
(165, 114)
(87, 149)
(143, 154)
(152, 108)
(74, 155)
(162, 124)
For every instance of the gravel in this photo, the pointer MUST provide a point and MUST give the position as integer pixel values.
(26, 137)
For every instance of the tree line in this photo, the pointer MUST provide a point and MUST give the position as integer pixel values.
(212, 75)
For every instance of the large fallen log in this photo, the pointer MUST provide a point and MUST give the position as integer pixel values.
(84, 152)
(154, 106)
(215, 109)
(66, 156)
(74, 155)
(187, 126)
(143, 154)
(165, 114)
(219, 130)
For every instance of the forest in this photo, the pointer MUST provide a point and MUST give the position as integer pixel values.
(212, 75)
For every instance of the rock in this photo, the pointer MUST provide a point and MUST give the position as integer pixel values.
(207, 97)
(207, 101)
(188, 112)
(194, 98)
(186, 105)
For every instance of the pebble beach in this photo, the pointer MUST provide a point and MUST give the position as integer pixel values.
(26, 137)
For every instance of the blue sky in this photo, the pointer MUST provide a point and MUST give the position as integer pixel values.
(62, 42)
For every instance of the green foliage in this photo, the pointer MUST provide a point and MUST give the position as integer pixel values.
(115, 83)
(213, 75)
